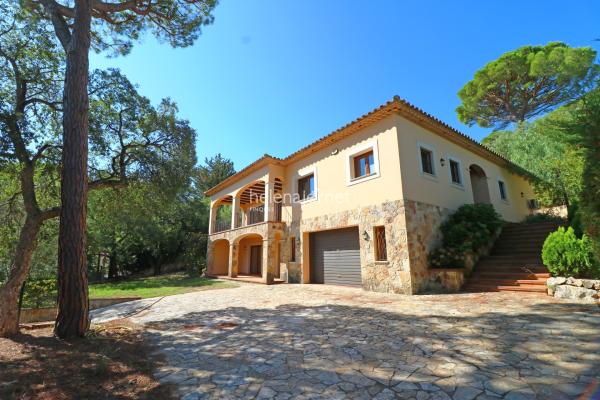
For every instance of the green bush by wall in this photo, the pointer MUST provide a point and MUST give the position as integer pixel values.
(566, 255)
(469, 229)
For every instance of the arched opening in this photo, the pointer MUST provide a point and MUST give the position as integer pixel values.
(220, 261)
(250, 255)
(479, 185)
(222, 211)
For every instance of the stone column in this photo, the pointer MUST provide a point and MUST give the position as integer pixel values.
(212, 220)
(268, 261)
(233, 260)
(235, 209)
(269, 205)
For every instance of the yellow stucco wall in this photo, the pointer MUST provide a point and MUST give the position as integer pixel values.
(439, 191)
(396, 141)
(244, 252)
(220, 264)
(334, 193)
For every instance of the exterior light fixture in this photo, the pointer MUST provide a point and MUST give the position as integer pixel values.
(298, 241)
(522, 194)
(442, 161)
(334, 152)
(365, 235)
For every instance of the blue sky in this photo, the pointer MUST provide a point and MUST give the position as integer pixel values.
(273, 76)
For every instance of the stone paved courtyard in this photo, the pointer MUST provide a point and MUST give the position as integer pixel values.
(316, 341)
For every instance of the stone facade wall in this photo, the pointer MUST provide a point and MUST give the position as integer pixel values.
(423, 226)
(271, 232)
(391, 276)
(411, 229)
(584, 290)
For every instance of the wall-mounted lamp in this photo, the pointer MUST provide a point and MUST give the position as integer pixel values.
(442, 162)
(334, 152)
(298, 241)
(365, 235)
(522, 194)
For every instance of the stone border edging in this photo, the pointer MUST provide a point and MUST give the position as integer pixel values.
(584, 290)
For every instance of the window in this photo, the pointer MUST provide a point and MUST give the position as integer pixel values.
(306, 187)
(380, 245)
(455, 173)
(427, 161)
(364, 164)
(293, 249)
(502, 187)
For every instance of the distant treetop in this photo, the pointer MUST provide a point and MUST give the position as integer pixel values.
(527, 82)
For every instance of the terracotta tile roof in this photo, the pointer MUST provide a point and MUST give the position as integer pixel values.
(394, 106)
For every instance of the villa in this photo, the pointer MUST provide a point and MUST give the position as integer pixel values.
(361, 206)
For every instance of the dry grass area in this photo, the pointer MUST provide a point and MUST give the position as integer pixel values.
(112, 362)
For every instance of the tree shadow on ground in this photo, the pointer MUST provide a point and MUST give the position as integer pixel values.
(111, 363)
(548, 351)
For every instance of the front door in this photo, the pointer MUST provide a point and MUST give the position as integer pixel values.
(255, 260)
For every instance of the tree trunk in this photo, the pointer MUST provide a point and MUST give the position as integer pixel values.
(73, 305)
(9, 293)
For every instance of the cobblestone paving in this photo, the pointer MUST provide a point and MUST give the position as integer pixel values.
(315, 341)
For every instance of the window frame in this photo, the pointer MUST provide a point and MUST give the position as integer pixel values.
(502, 185)
(376, 240)
(358, 151)
(431, 149)
(461, 176)
(305, 174)
(356, 160)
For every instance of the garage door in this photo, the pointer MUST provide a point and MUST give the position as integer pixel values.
(335, 257)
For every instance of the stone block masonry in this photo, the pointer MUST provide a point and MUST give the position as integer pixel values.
(584, 290)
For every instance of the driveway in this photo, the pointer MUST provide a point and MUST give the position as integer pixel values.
(317, 341)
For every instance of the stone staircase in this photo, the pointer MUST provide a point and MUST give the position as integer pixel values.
(515, 261)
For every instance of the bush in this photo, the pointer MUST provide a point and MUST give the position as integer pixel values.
(40, 293)
(566, 255)
(194, 252)
(447, 257)
(469, 229)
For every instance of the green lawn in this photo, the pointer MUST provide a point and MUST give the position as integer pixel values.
(155, 286)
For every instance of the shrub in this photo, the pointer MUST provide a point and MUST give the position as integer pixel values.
(447, 257)
(566, 255)
(40, 293)
(470, 228)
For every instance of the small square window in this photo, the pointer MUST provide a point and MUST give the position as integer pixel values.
(502, 187)
(364, 164)
(306, 187)
(455, 172)
(380, 244)
(427, 161)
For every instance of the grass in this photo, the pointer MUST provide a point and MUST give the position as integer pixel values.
(155, 286)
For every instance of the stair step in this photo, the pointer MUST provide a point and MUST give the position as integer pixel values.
(508, 269)
(511, 258)
(481, 275)
(515, 263)
(510, 282)
(525, 288)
